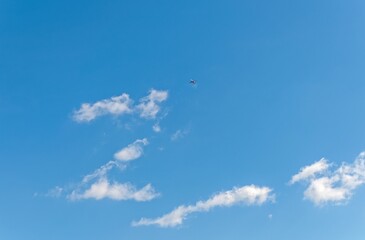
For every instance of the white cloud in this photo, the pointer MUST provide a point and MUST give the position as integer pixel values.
(249, 195)
(149, 105)
(310, 171)
(102, 171)
(115, 191)
(97, 186)
(114, 106)
(334, 187)
(132, 151)
(148, 108)
(156, 127)
(322, 190)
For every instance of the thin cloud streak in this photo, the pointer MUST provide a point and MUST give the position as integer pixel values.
(249, 195)
(310, 171)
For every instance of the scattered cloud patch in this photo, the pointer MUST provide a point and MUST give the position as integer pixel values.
(98, 186)
(156, 127)
(148, 108)
(337, 186)
(149, 105)
(115, 191)
(249, 195)
(55, 192)
(102, 171)
(132, 151)
(310, 171)
(179, 134)
(114, 106)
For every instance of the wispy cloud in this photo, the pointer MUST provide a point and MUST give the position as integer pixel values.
(97, 185)
(249, 195)
(156, 127)
(310, 171)
(115, 191)
(132, 151)
(114, 106)
(325, 186)
(148, 107)
(55, 192)
(102, 171)
(179, 134)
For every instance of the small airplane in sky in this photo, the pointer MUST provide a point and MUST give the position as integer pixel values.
(192, 81)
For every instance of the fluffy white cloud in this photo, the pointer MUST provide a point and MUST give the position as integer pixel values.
(97, 186)
(115, 106)
(149, 105)
(332, 186)
(249, 195)
(115, 191)
(132, 151)
(322, 190)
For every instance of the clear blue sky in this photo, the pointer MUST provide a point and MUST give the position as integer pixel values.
(280, 85)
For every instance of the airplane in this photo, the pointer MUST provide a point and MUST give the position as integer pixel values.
(193, 82)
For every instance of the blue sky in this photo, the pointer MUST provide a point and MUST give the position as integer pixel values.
(267, 145)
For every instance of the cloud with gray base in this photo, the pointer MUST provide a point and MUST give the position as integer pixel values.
(248, 195)
(148, 107)
(336, 186)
